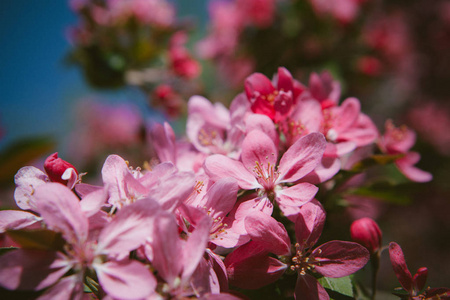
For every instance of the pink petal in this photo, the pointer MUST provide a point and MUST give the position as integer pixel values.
(221, 197)
(296, 195)
(119, 181)
(93, 202)
(219, 166)
(219, 269)
(308, 288)
(16, 219)
(420, 278)
(60, 209)
(339, 258)
(309, 224)
(258, 84)
(325, 170)
(257, 147)
(30, 269)
(173, 190)
(129, 228)
(27, 180)
(406, 166)
(262, 123)
(363, 133)
(309, 113)
(159, 173)
(214, 114)
(82, 189)
(268, 233)
(167, 248)
(302, 157)
(285, 80)
(195, 247)
(163, 141)
(126, 279)
(400, 268)
(70, 287)
(347, 114)
(253, 271)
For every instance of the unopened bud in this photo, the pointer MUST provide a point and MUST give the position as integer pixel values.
(55, 167)
(366, 232)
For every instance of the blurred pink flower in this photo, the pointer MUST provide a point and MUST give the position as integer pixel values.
(400, 141)
(432, 121)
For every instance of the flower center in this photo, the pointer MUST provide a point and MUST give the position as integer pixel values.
(266, 176)
(302, 261)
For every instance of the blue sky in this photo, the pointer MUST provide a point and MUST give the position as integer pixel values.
(36, 89)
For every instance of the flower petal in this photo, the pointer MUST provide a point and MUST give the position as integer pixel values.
(406, 166)
(16, 219)
(302, 157)
(297, 195)
(166, 247)
(129, 228)
(126, 279)
(219, 166)
(309, 224)
(30, 269)
(254, 271)
(258, 147)
(308, 288)
(268, 233)
(27, 180)
(70, 287)
(339, 258)
(61, 211)
(400, 268)
(195, 247)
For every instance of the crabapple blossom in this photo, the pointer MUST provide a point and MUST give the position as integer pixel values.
(259, 169)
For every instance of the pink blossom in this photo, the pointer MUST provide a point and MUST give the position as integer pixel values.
(258, 169)
(250, 266)
(413, 285)
(217, 202)
(366, 232)
(344, 11)
(61, 171)
(62, 212)
(324, 89)
(344, 126)
(399, 141)
(260, 13)
(181, 62)
(274, 101)
(179, 262)
(333, 259)
(28, 178)
(164, 183)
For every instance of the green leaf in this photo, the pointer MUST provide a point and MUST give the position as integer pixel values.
(20, 153)
(338, 288)
(43, 239)
(376, 159)
(3, 250)
(399, 194)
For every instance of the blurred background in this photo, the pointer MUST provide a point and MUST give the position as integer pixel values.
(69, 69)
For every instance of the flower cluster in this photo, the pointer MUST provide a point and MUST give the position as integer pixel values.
(235, 206)
(133, 42)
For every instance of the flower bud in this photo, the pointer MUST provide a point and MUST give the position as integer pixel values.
(55, 167)
(366, 232)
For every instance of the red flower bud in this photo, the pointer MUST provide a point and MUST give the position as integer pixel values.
(366, 232)
(55, 168)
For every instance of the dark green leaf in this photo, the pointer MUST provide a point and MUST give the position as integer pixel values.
(338, 288)
(43, 239)
(6, 249)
